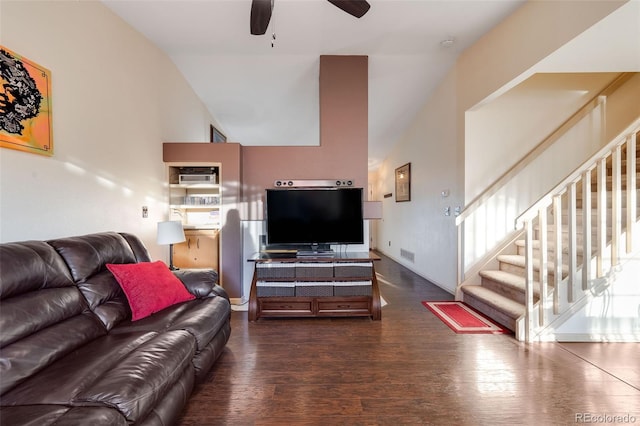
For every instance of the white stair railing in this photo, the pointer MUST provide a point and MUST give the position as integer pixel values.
(599, 257)
(479, 235)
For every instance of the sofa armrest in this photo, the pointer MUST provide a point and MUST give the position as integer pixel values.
(201, 282)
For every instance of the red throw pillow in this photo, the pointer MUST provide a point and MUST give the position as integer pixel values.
(149, 286)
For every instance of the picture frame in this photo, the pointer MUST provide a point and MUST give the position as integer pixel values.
(26, 115)
(216, 136)
(403, 183)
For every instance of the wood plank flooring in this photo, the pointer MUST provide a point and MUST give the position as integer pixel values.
(408, 369)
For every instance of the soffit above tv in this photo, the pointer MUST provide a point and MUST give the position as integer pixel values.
(312, 183)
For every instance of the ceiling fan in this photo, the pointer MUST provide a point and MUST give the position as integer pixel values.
(261, 12)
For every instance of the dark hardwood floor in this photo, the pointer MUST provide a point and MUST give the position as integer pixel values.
(409, 369)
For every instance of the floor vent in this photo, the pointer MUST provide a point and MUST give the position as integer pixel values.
(407, 255)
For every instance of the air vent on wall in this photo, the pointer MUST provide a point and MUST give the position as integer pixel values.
(406, 254)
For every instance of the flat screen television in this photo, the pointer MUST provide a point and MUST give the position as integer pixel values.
(315, 217)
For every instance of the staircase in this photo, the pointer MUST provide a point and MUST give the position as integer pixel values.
(568, 242)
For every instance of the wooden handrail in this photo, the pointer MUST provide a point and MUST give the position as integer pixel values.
(542, 146)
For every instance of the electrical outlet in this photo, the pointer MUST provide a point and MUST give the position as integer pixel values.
(145, 212)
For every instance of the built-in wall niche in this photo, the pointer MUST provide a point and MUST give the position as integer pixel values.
(195, 196)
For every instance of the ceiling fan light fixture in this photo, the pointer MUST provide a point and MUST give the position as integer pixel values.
(261, 11)
(356, 8)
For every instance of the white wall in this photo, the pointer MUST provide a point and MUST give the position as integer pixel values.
(116, 98)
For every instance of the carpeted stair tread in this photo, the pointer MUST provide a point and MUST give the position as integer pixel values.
(551, 246)
(519, 260)
(594, 182)
(507, 279)
(498, 302)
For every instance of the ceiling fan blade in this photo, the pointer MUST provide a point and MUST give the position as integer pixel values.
(260, 16)
(356, 8)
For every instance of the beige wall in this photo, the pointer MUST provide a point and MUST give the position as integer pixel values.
(116, 97)
(435, 142)
(504, 130)
(503, 57)
(342, 153)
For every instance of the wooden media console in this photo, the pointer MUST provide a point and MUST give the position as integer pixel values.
(287, 286)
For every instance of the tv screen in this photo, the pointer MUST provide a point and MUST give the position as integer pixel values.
(309, 216)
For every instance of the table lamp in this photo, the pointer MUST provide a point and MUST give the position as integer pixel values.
(170, 232)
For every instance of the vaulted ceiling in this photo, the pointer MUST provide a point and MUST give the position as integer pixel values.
(263, 90)
(264, 95)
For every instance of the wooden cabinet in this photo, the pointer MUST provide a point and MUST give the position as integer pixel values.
(318, 287)
(200, 250)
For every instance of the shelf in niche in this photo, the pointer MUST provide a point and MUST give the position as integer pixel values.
(195, 185)
(195, 206)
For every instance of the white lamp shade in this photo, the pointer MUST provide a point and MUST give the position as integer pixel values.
(170, 232)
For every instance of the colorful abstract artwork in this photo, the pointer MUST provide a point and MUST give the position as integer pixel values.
(25, 104)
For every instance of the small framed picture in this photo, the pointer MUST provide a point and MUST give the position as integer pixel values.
(403, 183)
(216, 135)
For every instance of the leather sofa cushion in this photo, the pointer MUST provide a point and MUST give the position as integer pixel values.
(106, 299)
(30, 266)
(88, 254)
(201, 282)
(169, 409)
(139, 250)
(205, 358)
(150, 287)
(55, 324)
(195, 316)
(130, 372)
(28, 356)
(37, 310)
(51, 415)
(204, 319)
(41, 309)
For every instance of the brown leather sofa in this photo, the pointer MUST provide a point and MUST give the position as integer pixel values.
(69, 352)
